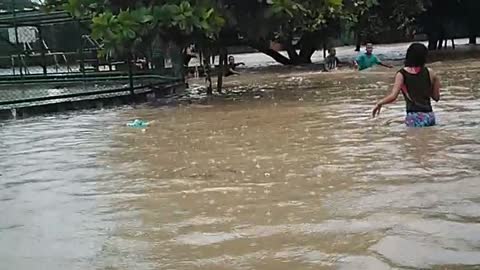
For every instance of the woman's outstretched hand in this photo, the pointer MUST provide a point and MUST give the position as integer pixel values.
(376, 110)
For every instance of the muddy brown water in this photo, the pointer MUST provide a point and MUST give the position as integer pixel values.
(292, 174)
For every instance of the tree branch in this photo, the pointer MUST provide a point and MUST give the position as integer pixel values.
(272, 53)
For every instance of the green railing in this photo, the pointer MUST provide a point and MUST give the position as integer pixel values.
(50, 57)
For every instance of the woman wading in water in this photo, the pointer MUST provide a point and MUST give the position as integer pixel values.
(419, 85)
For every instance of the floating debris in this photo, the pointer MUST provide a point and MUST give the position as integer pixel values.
(138, 124)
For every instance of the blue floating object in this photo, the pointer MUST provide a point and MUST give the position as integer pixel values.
(138, 124)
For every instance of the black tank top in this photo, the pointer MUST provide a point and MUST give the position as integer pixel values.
(418, 90)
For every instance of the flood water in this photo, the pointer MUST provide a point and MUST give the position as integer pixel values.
(293, 174)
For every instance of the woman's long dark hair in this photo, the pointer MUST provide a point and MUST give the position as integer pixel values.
(416, 55)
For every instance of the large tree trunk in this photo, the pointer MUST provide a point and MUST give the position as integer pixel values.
(177, 61)
(306, 55)
(472, 26)
(292, 54)
(432, 42)
(472, 40)
(307, 49)
(441, 39)
(303, 58)
(440, 44)
(272, 53)
(436, 36)
(358, 41)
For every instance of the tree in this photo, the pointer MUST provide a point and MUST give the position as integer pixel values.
(297, 24)
(472, 8)
(361, 19)
(300, 26)
(449, 18)
(373, 19)
(124, 27)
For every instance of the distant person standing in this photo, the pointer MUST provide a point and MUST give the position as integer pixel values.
(368, 59)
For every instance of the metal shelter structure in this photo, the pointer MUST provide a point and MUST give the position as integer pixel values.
(50, 57)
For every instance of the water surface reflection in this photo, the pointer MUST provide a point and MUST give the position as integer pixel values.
(295, 175)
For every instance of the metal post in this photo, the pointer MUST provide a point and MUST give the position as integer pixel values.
(130, 74)
(82, 60)
(82, 57)
(42, 47)
(13, 64)
(14, 13)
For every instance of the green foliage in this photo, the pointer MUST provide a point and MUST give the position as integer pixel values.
(306, 15)
(296, 24)
(123, 27)
(373, 19)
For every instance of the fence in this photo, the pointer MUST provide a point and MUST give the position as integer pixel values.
(50, 57)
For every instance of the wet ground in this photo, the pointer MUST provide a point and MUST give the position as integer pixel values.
(287, 172)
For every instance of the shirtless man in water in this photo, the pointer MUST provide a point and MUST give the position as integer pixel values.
(230, 70)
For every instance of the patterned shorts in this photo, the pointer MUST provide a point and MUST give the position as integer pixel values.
(420, 119)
